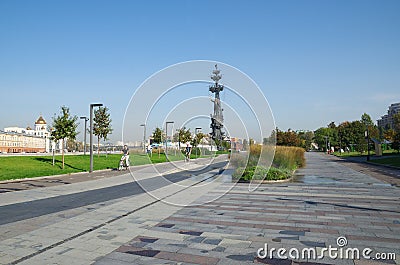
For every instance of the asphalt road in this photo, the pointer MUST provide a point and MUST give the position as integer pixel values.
(22, 211)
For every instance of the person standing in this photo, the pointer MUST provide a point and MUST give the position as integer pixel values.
(188, 151)
(125, 150)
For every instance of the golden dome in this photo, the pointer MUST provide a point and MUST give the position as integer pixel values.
(40, 120)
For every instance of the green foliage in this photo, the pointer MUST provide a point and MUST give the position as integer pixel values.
(347, 134)
(307, 139)
(64, 127)
(366, 120)
(102, 123)
(157, 135)
(184, 135)
(390, 161)
(396, 127)
(260, 173)
(323, 132)
(17, 167)
(226, 145)
(286, 160)
(289, 157)
(196, 140)
(291, 138)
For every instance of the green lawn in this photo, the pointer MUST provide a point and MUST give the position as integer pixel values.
(17, 167)
(372, 152)
(390, 161)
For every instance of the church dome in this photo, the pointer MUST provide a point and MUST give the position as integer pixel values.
(40, 120)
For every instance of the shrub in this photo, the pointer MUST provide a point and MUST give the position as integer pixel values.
(255, 163)
(260, 173)
(289, 157)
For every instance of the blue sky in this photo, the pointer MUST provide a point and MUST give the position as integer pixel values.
(315, 61)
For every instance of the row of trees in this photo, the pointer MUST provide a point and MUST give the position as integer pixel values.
(352, 134)
(349, 134)
(65, 125)
(184, 135)
(302, 139)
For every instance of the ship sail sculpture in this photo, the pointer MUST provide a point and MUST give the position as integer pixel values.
(217, 118)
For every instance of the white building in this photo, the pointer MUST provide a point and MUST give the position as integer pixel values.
(40, 130)
(386, 120)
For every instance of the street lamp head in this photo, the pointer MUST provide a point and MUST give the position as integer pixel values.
(96, 104)
(168, 122)
(142, 124)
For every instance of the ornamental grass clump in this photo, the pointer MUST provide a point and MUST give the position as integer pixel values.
(256, 164)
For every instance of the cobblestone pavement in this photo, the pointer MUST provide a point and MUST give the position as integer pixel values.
(326, 201)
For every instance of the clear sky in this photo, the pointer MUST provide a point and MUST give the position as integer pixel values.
(315, 61)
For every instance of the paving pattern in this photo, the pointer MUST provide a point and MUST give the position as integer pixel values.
(327, 200)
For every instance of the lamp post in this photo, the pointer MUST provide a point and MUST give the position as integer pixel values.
(179, 138)
(367, 138)
(166, 136)
(326, 143)
(195, 132)
(144, 137)
(91, 133)
(84, 134)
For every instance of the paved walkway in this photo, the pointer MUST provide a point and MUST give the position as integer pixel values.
(327, 200)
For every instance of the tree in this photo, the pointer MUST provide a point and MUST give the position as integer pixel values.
(272, 138)
(197, 139)
(183, 136)
(290, 138)
(389, 135)
(396, 129)
(358, 132)
(307, 138)
(101, 125)
(324, 136)
(64, 127)
(396, 122)
(157, 135)
(366, 120)
(245, 144)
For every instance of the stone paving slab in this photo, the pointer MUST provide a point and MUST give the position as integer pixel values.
(329, 200)
(84, 238)
(300, 215)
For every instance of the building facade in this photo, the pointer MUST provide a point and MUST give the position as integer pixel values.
(12, 142)
(386, 121)
(236, 144)
(26, 140)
